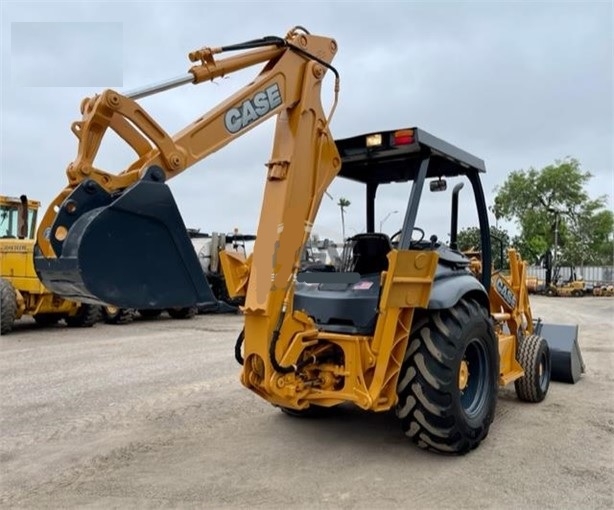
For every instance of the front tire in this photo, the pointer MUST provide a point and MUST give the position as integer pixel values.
(86, 316)
(8, 304)
(534, 358)
(447, 390)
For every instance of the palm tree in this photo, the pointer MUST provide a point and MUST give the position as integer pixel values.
(343, 203)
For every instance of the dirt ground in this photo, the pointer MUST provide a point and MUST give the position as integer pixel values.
(152, 415)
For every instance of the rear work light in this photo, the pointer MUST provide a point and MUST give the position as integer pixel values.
(404, 137)
(374, 140)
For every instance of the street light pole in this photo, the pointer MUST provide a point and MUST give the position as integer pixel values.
(381, 223)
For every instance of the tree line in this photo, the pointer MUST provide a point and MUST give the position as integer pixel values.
(554, 214)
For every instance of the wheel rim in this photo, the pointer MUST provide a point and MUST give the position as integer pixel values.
(473, 378)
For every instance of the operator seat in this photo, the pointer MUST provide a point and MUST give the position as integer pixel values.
(369, 253)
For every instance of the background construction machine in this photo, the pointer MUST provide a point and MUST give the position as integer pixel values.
(21, 292)
(112, 314)
(317, 255)
(208, 248)
(553, 284)
(408, 324)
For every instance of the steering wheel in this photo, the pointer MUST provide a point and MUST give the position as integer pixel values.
(397, 234)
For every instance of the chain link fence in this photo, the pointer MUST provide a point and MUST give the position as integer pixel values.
(592, 275)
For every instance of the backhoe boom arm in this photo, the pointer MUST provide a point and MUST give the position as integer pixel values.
(117, 239)
(278, 86)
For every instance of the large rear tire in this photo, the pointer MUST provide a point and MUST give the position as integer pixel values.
(8, 302)
(534, 358)
(86, 317)
(448, 382)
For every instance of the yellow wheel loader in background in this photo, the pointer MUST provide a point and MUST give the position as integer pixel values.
(409, 325)
(21, 292)
(603, 290)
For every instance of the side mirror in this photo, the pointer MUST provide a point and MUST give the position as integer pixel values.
(438, 185)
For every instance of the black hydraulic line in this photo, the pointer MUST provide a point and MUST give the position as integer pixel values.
(313, 57)
(256, 43)
(278, 41)
(273, 345)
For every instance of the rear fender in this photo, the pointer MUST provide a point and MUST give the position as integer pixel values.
(449, 291)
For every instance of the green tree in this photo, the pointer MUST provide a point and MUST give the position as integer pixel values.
(552, 207)
(343, 204)
(469, 240)
(588, 241)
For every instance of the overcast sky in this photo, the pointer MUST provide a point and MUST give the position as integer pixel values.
(518, 84)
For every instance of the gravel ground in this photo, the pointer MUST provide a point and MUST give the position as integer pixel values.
(152, 415)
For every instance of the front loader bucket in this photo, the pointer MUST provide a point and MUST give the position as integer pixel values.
(566, 359)
(130, 251)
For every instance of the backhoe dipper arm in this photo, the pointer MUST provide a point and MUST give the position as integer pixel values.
(121, 213)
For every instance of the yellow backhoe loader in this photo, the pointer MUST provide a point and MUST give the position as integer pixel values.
(21, 292)
(406, 324)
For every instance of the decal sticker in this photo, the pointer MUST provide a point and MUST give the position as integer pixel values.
(250, 110)
(505, 293)
(15, 248)
(365, 285)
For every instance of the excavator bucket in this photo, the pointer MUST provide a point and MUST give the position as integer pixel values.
(566, 360)
(131, 250)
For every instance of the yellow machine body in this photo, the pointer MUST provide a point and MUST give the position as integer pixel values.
(412, 360)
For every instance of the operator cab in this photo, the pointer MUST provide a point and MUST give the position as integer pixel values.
(18, 217)
(347, 302)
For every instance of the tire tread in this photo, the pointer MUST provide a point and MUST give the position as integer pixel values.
(528, 356)
(426, 404)
(8, 304)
